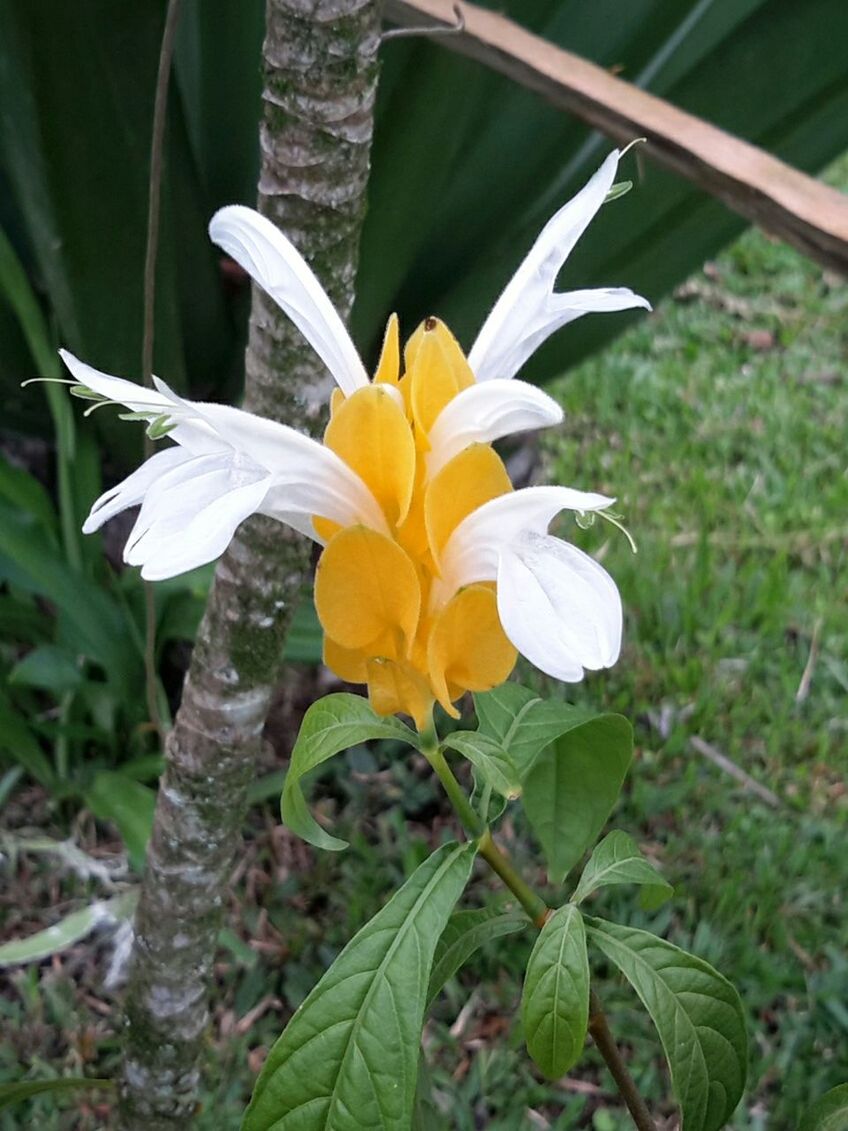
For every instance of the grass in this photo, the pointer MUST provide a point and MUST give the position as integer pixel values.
(720, 424)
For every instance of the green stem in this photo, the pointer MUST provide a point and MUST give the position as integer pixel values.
(537, 912)
(472, 822)
(606, 1046)
(166, 51)
(536, 908)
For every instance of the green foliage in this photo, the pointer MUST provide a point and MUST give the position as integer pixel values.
(116, 797)
(76, 208)
(24, 1089)
(349, 1056)
(334, 723)
(617, 860)
(572, 787)
(466, 932)
(555, 999)
(762, 69)
(830, 1113)
(697, 1013)
(493, 762)
(523, 722)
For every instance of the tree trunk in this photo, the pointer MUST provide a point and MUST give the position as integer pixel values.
(320, 59)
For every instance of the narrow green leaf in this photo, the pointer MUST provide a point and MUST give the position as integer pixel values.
(829, 1113)
(522, 722)
(30, 559)
(20, 1090)
(116, 797)
(68, 931)
(617, 860)
(24, 491)
(425, 1114)
(466, 932)
(305, 638)
(48, 667)
(572, 786)
(17, 740)
(349, 1057)
(489, 757)
(698, 1016)
(332, 724)
(555, 999)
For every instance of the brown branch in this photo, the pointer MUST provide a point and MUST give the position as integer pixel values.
(606, 1046)
(315, 140)
(785, 202)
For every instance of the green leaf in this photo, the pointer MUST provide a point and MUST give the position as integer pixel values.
(332, 724)
(573, 785)
(487, 755)
(116, 797)
(788, 94)
(466, 932)
(305, 637)
(20, 743)
(349, 1057)
(70, 930)
(24, 492)
(555, 999)
(698, 1016)
(48, 667)
(29, 558)
(617, 860)
(20, 1090)
(522, 722)
(829, 1113)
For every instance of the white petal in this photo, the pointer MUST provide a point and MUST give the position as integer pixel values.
(309, 478)
(529, 311)
(303, 477)
(268, 257)
(133, 489)
(190, 515)
(558, 311)
(485, 412)
(473, 550)
(137, 398)
(558, 607)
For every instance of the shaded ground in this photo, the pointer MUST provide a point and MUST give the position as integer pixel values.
(720, 424)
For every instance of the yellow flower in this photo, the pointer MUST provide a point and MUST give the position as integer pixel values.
(434, 572)
(388, 618)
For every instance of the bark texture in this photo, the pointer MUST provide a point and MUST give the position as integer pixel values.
(320, 62)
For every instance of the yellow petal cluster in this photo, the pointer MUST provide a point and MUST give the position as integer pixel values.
(374, 592)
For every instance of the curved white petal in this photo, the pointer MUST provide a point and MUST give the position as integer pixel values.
(190, 521)
(558, 311)
(136, 398)
(529, 310)
(309, 478)
(485, 412)
(227, 464)
(473, 549)
(558, 606)
(132, 490)
(268, 257)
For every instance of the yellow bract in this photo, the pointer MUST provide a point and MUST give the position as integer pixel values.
(374, 592)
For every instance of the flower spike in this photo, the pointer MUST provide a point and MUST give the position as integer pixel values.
(435, 573)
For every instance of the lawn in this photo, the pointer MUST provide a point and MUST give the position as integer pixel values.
(720, 423)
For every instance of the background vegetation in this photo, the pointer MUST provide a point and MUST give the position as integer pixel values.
(720, 424)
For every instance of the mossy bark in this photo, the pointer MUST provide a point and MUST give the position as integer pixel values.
(320, 62)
